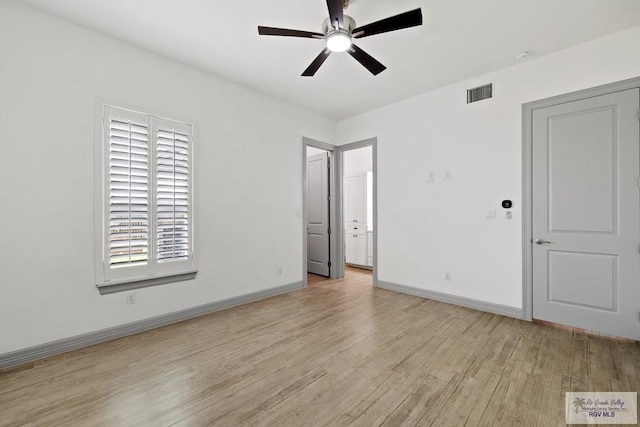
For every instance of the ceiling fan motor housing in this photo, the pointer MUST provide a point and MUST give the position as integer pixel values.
(348, 24)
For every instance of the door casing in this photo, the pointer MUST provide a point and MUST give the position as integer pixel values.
(527, 176)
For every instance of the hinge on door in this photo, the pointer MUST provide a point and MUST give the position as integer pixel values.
(329, 263)
(329, 231)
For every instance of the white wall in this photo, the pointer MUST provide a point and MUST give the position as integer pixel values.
(358, 161)
(248, 169)
(428, 229)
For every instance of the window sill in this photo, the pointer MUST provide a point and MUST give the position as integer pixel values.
(143, 282)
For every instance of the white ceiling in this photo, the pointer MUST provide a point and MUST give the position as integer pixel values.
(459, 39)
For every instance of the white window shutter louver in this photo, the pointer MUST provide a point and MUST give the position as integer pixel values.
(128, 193)
(172, 194)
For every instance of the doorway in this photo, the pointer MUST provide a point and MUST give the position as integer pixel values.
(358, 207)
(336, 216)
(320, 249)
(582, 229)
(318, 207)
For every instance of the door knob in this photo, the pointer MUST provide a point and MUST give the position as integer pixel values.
(539, 241)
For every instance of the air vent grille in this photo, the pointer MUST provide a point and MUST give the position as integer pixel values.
(479, 93)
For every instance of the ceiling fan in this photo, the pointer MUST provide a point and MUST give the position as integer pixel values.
(339, 30)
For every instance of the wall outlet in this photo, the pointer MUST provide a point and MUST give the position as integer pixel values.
(279, 270)
(131, 298)
(447, 276)
(447, 175)
(491, 214)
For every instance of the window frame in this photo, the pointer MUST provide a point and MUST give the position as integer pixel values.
(109, 279)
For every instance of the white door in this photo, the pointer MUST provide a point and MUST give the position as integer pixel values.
(586, 214)
(318, 214)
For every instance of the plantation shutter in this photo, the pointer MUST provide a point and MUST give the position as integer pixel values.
(128, 190)
(172, 191)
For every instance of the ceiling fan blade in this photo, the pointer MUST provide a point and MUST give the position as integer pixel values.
(311, 69)
(271, 31)
(369, 62)
(336, 12)
(398, 22)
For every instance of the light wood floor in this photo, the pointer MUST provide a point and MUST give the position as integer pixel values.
(336, 353)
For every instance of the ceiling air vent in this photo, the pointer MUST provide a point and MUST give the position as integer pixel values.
(479, 93)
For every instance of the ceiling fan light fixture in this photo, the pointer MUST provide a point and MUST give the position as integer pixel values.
(339, 29)
(338, 41)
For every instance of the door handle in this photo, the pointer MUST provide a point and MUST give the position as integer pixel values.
(539, 241)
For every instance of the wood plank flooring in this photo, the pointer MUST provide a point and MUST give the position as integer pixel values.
(339, 353)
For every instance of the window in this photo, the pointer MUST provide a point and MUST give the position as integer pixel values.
(145, 219)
